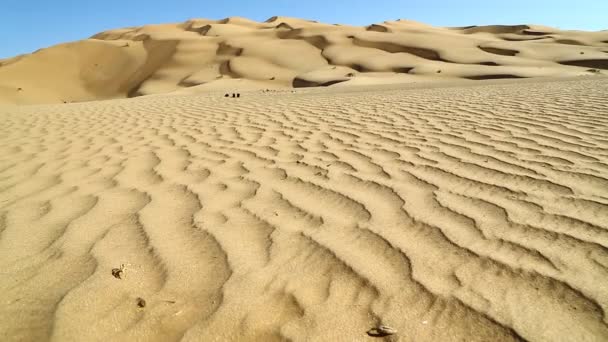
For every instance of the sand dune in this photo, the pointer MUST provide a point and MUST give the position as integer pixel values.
(463, 213)
(287, 52)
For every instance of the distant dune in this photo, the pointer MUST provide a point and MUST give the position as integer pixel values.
(236, 53)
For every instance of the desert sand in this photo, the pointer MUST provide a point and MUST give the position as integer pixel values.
(201, 55)
(440, 205)
(470, 212)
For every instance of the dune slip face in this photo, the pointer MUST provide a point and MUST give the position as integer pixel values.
(202, 55)
(471, 213)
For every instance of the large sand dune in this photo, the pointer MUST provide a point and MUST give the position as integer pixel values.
(286, 52)
(462, 213)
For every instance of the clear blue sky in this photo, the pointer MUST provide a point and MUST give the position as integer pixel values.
(27, 25)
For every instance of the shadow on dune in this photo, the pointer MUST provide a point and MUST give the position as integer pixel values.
(492, 77)
(302, 83)
(588, 63)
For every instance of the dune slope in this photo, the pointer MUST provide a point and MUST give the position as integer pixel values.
(289, 52)
(465, 213)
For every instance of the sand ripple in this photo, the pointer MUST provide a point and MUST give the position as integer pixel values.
(476, 213)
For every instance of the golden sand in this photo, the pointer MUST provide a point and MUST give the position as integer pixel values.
(202, 55)
(463, 213)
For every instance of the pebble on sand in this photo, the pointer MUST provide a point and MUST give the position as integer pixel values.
(117, 272)
(381, 331)
(141, 303)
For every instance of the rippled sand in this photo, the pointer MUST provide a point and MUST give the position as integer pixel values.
(464, 213)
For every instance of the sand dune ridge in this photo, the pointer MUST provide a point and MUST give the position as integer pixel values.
(287, 52)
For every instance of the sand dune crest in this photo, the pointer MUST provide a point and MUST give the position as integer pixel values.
(156, 59)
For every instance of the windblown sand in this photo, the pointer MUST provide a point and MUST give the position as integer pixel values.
(462, 213)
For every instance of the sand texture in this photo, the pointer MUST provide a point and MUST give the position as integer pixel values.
(235, 53)
(463, 213)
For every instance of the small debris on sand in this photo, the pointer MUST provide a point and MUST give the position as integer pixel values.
(118, 272)
(381, 331)
(141, 303)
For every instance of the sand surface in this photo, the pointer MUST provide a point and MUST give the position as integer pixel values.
(201, 55)
(462, 213)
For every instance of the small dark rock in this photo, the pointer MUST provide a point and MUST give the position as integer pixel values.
(19, 89)
(381, 331)
(273, 78)
(117, 273)
(227, 95)
(141, 302)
